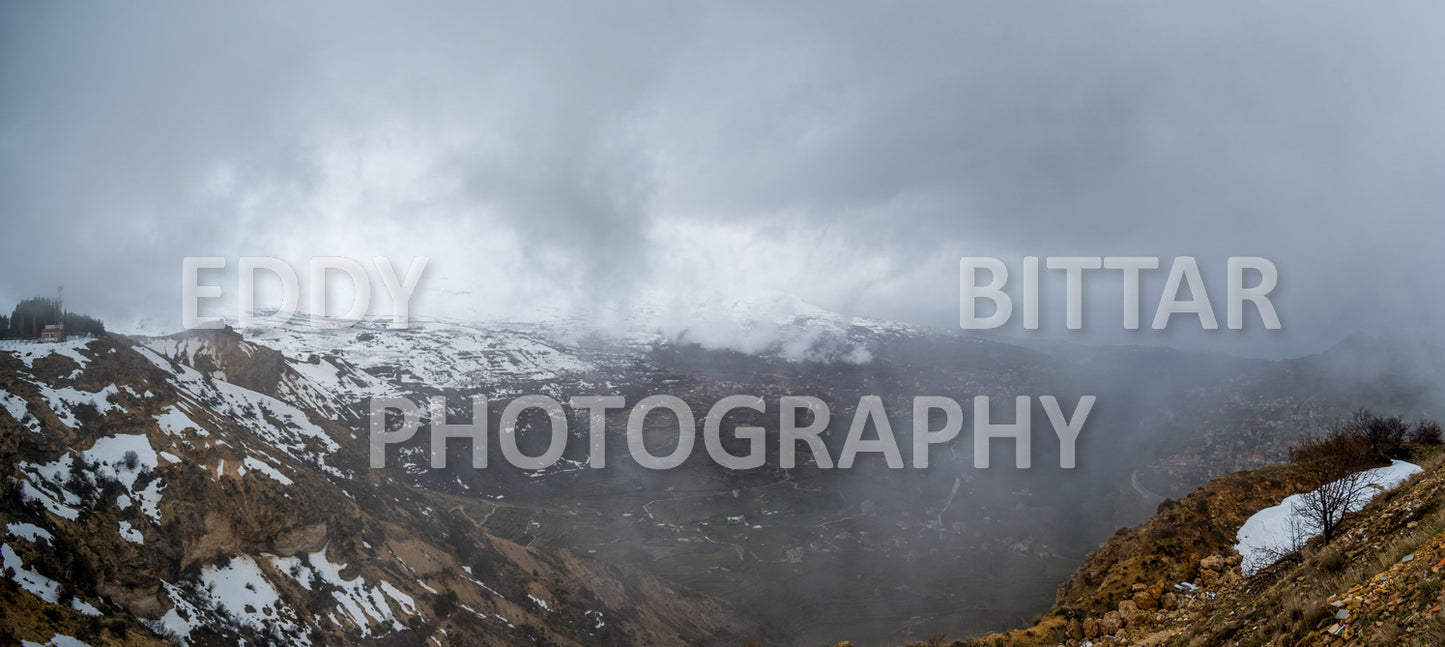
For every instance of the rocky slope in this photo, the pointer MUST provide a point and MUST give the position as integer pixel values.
(1176, 580)
(174, 491)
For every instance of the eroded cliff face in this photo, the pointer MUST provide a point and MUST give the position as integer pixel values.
(201, 489)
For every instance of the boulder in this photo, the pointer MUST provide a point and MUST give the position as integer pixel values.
(1132, 614)
(1112, 623)
(1213, 563)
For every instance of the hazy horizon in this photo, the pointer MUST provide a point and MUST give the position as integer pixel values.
(559, 159)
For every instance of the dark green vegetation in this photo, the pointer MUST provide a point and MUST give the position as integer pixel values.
(31, 315)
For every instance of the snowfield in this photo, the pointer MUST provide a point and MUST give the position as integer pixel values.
(277, 424)
(175, 422)
(237, 591)
(19, 410)
(1271, 532)
(47, 482)
(38, 585)
(434, 353)
(64, 400)
(28, 351)
(29, 532)
(363, 606)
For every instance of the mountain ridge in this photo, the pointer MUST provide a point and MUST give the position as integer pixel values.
(308, 546)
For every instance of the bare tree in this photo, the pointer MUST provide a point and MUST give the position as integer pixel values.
(1427, 432)
(1298, 531)
(1334, 469)
(1386, 435)
(1324, 507)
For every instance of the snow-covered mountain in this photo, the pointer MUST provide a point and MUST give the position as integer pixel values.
(201, 489)
(500, 357)
(212, 486)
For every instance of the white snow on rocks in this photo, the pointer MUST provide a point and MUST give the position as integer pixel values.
(29, 350)
(65, 400)
(49, 482)
(1272, 530)
(435, 353)
(130, 534)
(58, 640)
(266, 469)
(38, 585)
(363, 605)
(109, 454)
(32, 493)
(28, 531)
(19, 410)
(275, 423)
(175, 422)
(238, 591)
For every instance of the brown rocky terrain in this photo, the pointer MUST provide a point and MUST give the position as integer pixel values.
(1176, 580)
(233, 516)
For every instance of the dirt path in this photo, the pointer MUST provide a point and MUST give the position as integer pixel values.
(1143, 492)
(468, 517)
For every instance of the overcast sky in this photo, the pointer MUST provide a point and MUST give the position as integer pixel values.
(556, 156)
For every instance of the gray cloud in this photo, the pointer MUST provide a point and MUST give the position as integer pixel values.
(847, 153)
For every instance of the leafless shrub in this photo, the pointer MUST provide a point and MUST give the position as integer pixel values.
(1331, 560)
(1427, 432)
(1332, 467)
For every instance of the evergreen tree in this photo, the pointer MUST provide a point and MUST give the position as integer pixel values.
(32, 315)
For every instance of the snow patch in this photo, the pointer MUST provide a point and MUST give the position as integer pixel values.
(29, 531)
(19, 410)
(362, 604)
(130, 534)
(32, 493)
(1272, 530)
(38, 585)
(28, 350)
(174, 422)
(237, 591)
(267, 470)
(109, 454)
(107, 458)
(65, 400)
(58, 640)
